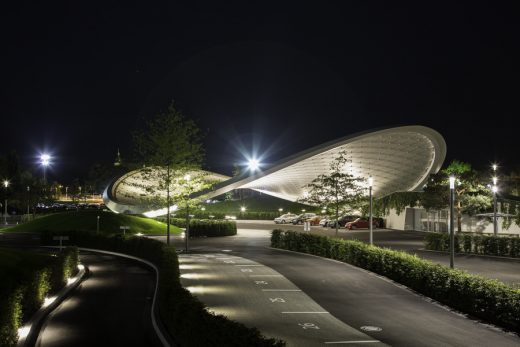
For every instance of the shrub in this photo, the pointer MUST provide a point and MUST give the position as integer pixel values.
(486, 299)
(477, 244)
(210, 228)
(24, 291)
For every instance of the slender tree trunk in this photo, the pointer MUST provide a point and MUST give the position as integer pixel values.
(168, 203)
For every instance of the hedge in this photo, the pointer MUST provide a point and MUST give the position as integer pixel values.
(23, 292)
(476, 244)
(489, 300)
(208, 228)
(184, 316)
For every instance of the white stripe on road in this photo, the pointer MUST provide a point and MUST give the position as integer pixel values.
(306, 312)
(348, 342)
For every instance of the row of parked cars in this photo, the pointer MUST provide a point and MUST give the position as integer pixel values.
(347, 221)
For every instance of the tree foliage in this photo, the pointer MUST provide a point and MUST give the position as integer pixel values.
(338, 191)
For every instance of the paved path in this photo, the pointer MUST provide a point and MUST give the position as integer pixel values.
(110, 308)
(350, 294)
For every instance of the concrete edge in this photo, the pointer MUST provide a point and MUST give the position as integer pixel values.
(35, 323)
(158, 327)
(413, 292)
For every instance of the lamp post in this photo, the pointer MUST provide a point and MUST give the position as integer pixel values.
(370, 184)
(66, 193)
(45, 160)
(452, 234)
(97, 225)
(187, 178)
(28, 201)
(6, 184)
(495, 189)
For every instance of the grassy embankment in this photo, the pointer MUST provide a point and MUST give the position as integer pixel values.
(85, 221)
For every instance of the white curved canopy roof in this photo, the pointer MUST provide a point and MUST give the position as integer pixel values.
(398, 159)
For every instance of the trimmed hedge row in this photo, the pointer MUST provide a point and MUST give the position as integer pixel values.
(183, 315)
(23, 293)
(477, 244)
(210, 228)
(486, 299)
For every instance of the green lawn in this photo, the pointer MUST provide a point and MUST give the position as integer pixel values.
(263, 203)
(109, 223)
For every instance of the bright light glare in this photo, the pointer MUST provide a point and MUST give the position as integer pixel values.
(160, 212)
(495, 180)
(71, 280)
(139, 234)
(242, 209)
(370, 181)
(495, 167)
(45, 159)
(494, 189)
(24, 331)
(81, 267)
(6, 183)
(187, 177)
(253, 164)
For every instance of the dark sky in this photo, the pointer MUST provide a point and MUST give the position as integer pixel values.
(78, 76)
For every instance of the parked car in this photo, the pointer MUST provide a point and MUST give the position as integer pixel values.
(360, 223)
(315, 220)
(324, 221)
(302, 218)
(342, 221)
(286, 218)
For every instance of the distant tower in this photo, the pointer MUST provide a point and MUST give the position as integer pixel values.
(118, 162)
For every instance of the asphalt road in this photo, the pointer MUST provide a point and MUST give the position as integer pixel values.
(506, 270)
(351, 295)
(111, 307)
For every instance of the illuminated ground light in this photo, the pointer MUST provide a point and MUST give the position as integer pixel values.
(48, 301)
(191, 267)
(81, 267)
(24, 331)
(71, 280)
(194, 276)
(206, 289)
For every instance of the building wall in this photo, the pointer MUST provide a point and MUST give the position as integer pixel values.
(419, 219)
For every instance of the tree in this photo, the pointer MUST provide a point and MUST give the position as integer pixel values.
(471, 194)
(171, 142)
(338, 191)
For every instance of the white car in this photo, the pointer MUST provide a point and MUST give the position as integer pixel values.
(286, 218)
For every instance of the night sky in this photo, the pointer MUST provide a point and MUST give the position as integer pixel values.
(275, 78)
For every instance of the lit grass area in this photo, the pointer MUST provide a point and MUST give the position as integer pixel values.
(85, 221)
(263, 203)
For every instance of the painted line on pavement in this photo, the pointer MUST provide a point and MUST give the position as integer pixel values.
(288, 312)
(349, 342)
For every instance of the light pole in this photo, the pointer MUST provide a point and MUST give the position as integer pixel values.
(97, 225)
(45, 160)
(370, 183)
(495, 189)
(187, 178)
(452, 234)
(6, 184)
(66, 193)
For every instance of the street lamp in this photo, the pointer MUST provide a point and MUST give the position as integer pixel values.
(45, 160)
(253, 164)
(494, 189)
(242, 209)
(6, 184)
(370, 184)
(452, 234)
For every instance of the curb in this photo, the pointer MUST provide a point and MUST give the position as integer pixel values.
(156, 325)
(35, 323)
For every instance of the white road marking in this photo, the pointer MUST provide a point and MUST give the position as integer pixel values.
(281, 290)
(349, 342)
(289, 312)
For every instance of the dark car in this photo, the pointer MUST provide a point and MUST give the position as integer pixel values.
(341, 221)
(302, 218)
